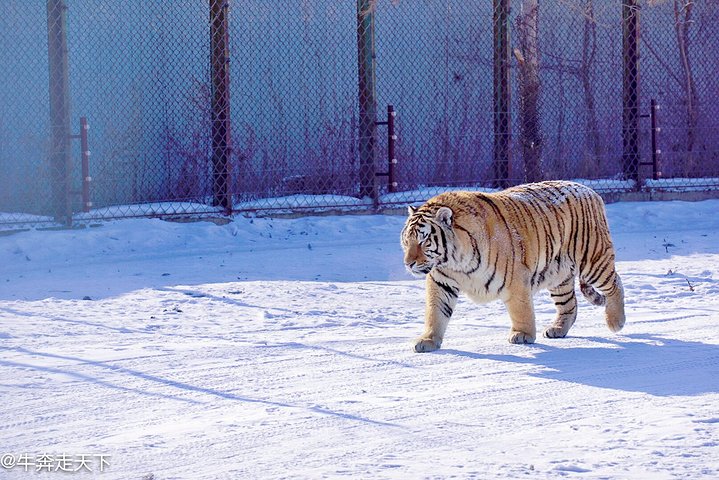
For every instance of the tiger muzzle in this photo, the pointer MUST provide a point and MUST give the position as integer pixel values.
(418, 270)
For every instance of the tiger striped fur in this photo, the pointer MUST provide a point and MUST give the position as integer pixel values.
(508, 245)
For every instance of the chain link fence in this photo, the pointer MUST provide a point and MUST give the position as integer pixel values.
(219, 106)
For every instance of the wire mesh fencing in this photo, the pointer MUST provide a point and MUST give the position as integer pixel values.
(221, 106)
(295, 105)
(678, 69)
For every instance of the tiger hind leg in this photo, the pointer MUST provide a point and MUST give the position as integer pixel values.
(565, 301)
(614, 309)
(608, 292)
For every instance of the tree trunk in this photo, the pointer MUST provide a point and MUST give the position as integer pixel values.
(630, 90)
(367, 98)
(527, 55)
(221, 133)
(682, 21)
(501, 85)
(59, 83)
(589, 48)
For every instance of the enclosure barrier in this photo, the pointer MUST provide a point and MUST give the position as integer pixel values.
(213, 107)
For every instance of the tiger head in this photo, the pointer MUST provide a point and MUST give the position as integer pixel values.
(425, 238)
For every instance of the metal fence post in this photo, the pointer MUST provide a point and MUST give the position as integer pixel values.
(501, 93)
(85, 155)
(60, 154)
(367, 98)
(630, 112)
(221, 132)
(391, 150)
(655, 132)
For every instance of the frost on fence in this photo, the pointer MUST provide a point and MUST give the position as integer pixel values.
(246, 105)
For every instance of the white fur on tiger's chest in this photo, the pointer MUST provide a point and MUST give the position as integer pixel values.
(475, 291)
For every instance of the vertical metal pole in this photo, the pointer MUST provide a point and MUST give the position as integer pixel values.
(60, 154)
(367, 98)
(630, 117)
(85, 152)
(220, 72)
(391, 156)
(501, 93)
(655, 150)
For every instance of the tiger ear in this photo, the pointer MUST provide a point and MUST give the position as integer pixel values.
(444, 215)
(411, 210)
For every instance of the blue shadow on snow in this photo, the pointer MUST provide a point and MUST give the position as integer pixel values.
(637, 363)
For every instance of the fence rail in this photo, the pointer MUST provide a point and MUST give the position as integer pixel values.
(200, 107)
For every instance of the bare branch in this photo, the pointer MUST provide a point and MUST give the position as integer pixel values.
(373, 6)
(661, 61)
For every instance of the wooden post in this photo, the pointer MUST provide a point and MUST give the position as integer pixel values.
(630, 117)
(501, 93)
(367, 98)
(221, 132)
(60, 153)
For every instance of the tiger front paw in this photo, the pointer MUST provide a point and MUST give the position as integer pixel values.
(520, 337)
(555, 332)
(425, 345)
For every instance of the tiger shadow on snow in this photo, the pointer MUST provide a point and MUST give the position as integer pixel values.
(635, 363)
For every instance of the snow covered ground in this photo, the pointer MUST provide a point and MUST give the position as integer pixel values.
(282, 349)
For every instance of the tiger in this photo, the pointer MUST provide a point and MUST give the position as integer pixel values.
(507, 245)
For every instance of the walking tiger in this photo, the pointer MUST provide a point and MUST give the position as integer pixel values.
(508, 245)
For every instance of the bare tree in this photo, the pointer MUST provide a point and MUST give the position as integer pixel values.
(527, 55)
(682, 23)
(586, 67)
